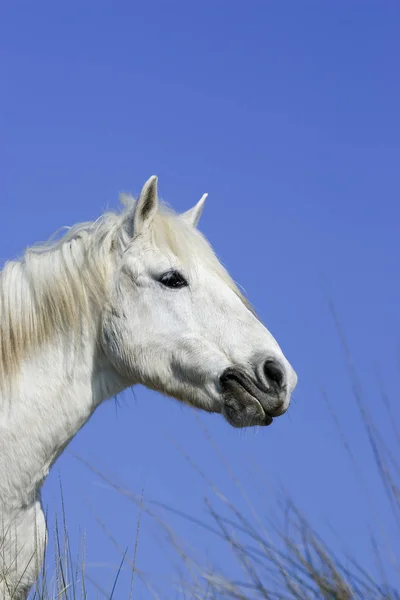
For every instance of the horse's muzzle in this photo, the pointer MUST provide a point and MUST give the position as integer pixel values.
(249, 401)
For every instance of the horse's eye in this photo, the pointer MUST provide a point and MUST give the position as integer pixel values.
(173, 279)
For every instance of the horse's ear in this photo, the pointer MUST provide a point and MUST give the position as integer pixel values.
(192, 216)
(146, 206)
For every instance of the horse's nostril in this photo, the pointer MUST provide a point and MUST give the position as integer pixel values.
(274, 373)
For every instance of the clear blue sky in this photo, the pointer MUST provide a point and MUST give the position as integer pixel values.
(287, 114)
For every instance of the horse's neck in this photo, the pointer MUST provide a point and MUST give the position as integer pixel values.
(54, 395)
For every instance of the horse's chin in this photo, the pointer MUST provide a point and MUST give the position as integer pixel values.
(244, 410)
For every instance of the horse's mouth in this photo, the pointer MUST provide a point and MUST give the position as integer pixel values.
(243, 401)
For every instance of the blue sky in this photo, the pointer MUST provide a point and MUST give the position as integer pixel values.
(287, 114)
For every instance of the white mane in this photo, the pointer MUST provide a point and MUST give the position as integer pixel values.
(54, 286)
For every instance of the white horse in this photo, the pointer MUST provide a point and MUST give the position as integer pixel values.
(135, 297)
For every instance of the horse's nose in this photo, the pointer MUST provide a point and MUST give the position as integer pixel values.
(274, 375)
(277, 379)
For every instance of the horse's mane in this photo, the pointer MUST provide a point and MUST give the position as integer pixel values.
(51, 289)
